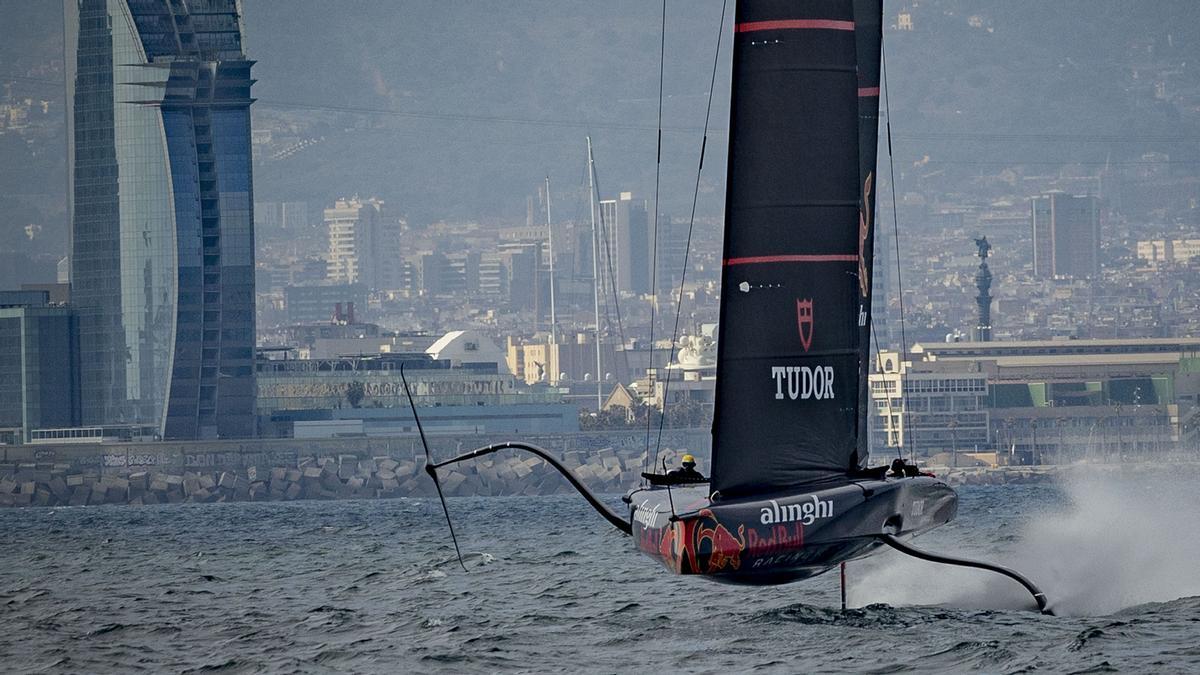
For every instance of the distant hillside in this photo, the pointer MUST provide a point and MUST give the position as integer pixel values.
(977, 84)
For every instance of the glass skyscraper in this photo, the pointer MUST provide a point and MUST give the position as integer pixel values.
(162, 240)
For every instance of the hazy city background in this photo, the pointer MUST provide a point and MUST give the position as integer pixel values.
(401, 153)
(455, 112)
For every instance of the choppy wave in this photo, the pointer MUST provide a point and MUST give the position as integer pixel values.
(375, 586)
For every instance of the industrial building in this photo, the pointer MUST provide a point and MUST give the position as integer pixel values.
(1044, 401)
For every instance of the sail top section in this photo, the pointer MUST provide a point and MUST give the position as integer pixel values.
(799, 214)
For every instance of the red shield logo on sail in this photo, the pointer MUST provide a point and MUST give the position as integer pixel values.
(804, 321)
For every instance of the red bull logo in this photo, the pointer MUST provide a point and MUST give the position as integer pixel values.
(714, 547)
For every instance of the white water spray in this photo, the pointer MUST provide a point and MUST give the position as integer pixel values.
(1122, 540)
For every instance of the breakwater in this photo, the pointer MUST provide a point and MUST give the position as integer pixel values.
(284, 470)
(363, 468)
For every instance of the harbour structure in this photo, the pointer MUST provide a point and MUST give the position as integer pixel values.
(1041, 401)
(39, 365)
(364, 395)
(161, 211)
(461, 382)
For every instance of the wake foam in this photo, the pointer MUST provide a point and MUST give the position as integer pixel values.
(1120, 540)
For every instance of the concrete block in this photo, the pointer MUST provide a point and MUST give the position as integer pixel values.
(158, 486)
(387, 464)
(7, 486)
(173, 480)
(58, 487)
(292, 491)
(228, 480)
(22, 499)
(199, 495)
(280, 473)
(293, 475)
(28, 487)
(150, 498)
(207, 482)
(451, 481)
(73, 480)
(190, 485)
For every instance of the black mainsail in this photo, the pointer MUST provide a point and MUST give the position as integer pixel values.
(793, 350)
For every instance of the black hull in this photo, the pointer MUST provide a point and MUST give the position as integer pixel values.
(786, 536)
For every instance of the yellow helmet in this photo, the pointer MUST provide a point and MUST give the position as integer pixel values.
(688, 459)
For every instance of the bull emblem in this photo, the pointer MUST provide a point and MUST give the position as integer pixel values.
(864, 228)
(715, 547)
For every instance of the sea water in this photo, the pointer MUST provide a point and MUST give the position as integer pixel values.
(374, 586)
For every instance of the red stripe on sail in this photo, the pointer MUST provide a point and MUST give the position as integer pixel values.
(800, 258)
(795, 24)
(864, 92)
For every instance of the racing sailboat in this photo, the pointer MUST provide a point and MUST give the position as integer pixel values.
(790, 494)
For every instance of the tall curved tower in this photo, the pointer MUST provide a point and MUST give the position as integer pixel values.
(161, 200)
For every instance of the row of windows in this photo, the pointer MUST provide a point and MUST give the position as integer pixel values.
(946, 385)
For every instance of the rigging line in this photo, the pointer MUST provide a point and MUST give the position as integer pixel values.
(691, 222)
(650, 371)
(887, 85)
(524, 121)
(612, 277)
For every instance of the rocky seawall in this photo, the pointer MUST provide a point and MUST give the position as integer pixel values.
(134, 476)
(358, 469)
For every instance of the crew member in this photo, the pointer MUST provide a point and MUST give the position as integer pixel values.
(687, 473)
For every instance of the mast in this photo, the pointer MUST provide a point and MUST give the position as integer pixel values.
(550, 235)
(595, 270)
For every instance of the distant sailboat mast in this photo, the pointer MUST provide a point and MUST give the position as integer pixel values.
(550, 236)
(595, 271)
